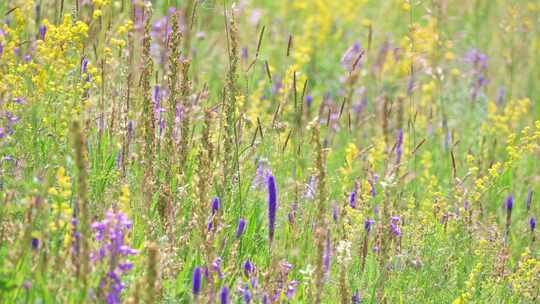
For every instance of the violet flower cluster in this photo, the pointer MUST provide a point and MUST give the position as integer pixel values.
(112, 235)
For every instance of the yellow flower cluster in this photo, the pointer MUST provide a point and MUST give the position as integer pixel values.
(515, 149)
(503, 123)
(470, 285)
(351, 152)
(124, 200)
(60, 205)
(525, 280)
(99, 5)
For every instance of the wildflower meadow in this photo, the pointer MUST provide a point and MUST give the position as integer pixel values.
(269, 151)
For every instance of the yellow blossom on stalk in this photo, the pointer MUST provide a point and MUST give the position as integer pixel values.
(125, 28)
(353, 220)
(376, 153)
(100, 3)
(524, 280)
(60, 205)
(425, 38)
(97, 13)
(240, 102)
(406, 6)
(502, 123)
(124, 199)
(351, 152)
(470, 285)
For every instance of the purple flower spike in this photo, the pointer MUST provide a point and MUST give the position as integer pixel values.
(224, 295)
(394, 221)
(42, 32)
(309, 100)
(111, 233)
(509, 203)
(272, 206)
(215, 205)
(327, 253)
(395, 230)
(399, 146)
(528, 201)
(356, 297)
(246, 294)
(372, 185)
(291, 289)
(197, 277)
(335, 212)
(35, 243)
(532, 223)
(216, 267)
(248, 268)
(241, 227)
(352, 199)
(84, 65)
(368, 224)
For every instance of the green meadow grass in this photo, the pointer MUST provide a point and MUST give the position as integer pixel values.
(457, 78)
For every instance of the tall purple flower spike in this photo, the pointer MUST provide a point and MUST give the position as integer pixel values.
(272, 206)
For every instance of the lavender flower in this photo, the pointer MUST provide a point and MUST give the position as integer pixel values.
(309, 101)
(196, 281)
(84, 66)
(111, 233)
(529, 200)
(216, 267)
(351, 55)
(42, 32)
(261, 175)
(356, 297)
(248, 268)
(224, 295)
(395, 229)
(394, 221)
(399, 146)
(291, 289)
(215, 205)
(532, 223)
(246, 294)
(157, 95)
(509, 203)
(327, 253)
(335, 212)
(352, 199)
(272, 206)
(240, 228)
(479, 64)
(35, 243)
(368, 224)
(372, 185)
(244, 54)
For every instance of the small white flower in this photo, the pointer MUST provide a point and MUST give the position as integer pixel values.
(344, 252)
(307, 273)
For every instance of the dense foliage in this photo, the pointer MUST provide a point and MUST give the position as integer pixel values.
(269, 151)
